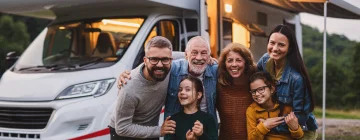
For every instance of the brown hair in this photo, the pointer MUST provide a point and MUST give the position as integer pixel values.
(158, 42)
(268, 80)
(250, 67)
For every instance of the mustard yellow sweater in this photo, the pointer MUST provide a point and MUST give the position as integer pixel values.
(258, 131)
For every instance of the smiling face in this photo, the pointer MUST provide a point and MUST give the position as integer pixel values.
(188, 96)
(235, 64)
(278, 46)
(158, 71)
(198, 55)
(262, 93)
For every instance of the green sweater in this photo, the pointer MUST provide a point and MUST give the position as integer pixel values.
(185, 122)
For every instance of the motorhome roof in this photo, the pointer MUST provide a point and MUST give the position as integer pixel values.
(50, 9)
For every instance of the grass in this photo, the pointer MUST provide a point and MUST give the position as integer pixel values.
(337, 114)
(327, 137)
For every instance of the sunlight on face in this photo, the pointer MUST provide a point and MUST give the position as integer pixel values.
(262, 94)
(235, 64)
(198, 55)
(278, 46)
(187, 94)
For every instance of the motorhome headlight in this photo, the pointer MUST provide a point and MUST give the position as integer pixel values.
(94, 88)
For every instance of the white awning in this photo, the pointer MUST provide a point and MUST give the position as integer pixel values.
(336, 8)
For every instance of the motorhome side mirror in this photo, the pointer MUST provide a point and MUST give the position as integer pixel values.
(11, 58)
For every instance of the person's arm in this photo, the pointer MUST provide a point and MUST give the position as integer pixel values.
(294, 127)
(256, 131)
(212, 132)
(124, 125)
(301, 113)
(297, 134)
(297, 105)
(260, 64)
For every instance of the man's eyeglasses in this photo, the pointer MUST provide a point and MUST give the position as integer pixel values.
(155, 60)
(260, 90)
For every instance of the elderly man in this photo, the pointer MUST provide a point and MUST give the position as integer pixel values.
(197, 55)
(137, 111)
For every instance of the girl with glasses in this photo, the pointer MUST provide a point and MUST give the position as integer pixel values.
(266, 113)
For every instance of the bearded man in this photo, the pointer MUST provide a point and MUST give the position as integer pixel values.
(197, 54)
(137, 111)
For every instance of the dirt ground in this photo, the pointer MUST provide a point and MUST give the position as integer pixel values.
(340, 129)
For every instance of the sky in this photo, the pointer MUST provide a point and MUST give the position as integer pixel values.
(349, 28)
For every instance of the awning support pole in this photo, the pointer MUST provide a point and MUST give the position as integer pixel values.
(324, 73)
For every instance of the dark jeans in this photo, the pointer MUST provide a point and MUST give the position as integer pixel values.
(114, 136)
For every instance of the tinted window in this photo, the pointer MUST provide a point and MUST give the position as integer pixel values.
(191, 25)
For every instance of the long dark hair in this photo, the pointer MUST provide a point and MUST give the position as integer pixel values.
(268, 80)
(197, 84)
(294, 58)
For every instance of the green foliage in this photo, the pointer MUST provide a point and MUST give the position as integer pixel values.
(337, 114)
(13, 37)
(342, 68)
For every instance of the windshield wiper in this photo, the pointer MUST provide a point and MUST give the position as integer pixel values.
(96, 60)
(38, 67)
(50, 67)
(62, 66)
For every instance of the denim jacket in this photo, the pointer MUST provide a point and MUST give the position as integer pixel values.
(179, 70)
(291, 91)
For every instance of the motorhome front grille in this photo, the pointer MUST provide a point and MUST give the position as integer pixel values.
(24, 118)
(15, 136)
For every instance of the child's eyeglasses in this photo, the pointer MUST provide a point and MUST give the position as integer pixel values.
(260, 90)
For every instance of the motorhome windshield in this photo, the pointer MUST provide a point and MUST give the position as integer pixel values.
(78, 44)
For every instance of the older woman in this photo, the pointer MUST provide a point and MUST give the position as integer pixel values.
(235, 67)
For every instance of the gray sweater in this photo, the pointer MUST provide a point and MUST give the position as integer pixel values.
(138, 107)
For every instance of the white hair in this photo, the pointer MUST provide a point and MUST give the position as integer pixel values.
(195, 38)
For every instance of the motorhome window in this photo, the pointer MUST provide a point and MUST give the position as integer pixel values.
(240, 34)
(168, 29)
(262, 18)
(227, 32)
(191, 25)
(105, 38)
(183, 44)
(63, 42)
(85, 41)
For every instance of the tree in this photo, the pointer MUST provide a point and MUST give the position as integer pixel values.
(13, 37)
(356, 80)
(342, 66)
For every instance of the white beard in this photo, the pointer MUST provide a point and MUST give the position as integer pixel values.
(196, 70)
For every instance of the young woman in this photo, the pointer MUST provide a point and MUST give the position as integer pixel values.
(283, 61)
(235, 68)
(191, 123)
(263, 114)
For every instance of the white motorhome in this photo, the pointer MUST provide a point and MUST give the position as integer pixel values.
(62, 86)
